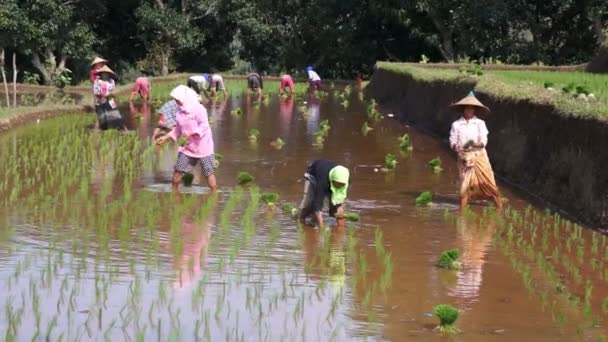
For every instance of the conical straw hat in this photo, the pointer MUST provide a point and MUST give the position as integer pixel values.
(105, 68)
(469, 100)
(98, 60)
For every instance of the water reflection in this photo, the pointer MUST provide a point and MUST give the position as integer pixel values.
(285, 115)
(324, 255)
(314, 113)
(475, 242)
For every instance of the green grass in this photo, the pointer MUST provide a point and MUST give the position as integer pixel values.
(522, 85)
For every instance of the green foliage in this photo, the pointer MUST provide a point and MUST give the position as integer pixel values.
(390, 161)
(435, 164)
(449, 259)
(187, 179)
(424, 199)
(270, 198)
(244, 178)
(471, 69)
(31, 78)
(447, 315)
(548, 84)
(64, 79)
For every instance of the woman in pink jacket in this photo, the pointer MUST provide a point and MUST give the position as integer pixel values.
(192, 124)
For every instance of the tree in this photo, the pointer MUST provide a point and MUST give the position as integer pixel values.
(165, 28)
(51, 33)
(9, 33)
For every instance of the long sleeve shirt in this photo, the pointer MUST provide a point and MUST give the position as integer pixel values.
(464, 131)
(195, 126)
(102, 89)
(319, 169)
(313, 76)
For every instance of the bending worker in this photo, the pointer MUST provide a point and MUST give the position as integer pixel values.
(324, 179)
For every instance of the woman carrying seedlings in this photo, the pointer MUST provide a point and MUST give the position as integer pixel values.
(97, 64)
(469, 137)
(191, 124)
(314, 81)
(108, 115)
(141, 88)
(166, 118)
(324, 179)
(254, 83)
(287, 82)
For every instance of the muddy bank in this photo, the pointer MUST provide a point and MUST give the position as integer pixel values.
(9, 123)
(456, 66)
(560, 159)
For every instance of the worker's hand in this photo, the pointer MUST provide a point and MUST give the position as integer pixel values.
(162, 139)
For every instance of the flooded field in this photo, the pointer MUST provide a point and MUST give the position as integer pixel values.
(94, 247)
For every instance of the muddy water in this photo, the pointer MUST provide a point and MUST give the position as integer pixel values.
(92, 246)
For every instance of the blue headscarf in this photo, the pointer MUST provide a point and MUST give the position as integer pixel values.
(206, 77)
(309, 68)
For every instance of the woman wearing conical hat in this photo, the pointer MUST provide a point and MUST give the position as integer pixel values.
(469, 137)
(97, 64)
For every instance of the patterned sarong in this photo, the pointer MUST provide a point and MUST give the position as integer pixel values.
(476, 175)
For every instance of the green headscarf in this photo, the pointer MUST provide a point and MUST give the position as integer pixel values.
(338, 174)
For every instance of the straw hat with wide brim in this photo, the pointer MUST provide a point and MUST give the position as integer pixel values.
(98, 60)
(105, 68)
(469, 100)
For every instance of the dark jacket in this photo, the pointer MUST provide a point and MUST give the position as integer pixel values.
(319, 170)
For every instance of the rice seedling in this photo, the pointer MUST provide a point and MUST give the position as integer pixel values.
(447, 315)
(253, 134)
(290, 210)
(365, 128)
(244, 178)
(278, 143)
(448, 259)
(424, 199)
(270, 198)
(435, 164)
(187, 179)
(352, 216)
(390, 161)
(405, 144)
(236, 112)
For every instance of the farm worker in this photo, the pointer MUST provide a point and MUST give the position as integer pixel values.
(198, 83)
(166, 118)
(314, 81)
(141, 87)
(216, 83)
(469, 137)
(287, 82)
(108, 115)
(324, 179)
(191, 123)
(97, 63)
(254, 83)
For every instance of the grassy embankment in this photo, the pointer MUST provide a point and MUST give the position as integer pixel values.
(525, 85)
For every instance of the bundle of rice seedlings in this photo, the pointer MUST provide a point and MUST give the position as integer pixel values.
(448, 259)
(424, 199)
(277, 143)
(182, 141)
(435, 164)
(289, 209)
(352, 216)
(187, 179)
(254, 134)
(236, 112)
(405, 144)
(390, 161)
(447, 315)
(270, 198)
(244, 178)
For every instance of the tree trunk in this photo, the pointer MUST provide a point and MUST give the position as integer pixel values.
(14, 79)
(8, 99)
(600, 31)
(447, 44)
(165, 63)
(46, 77)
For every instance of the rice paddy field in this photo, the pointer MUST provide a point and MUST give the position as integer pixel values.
(95, 246)
(558, 88)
